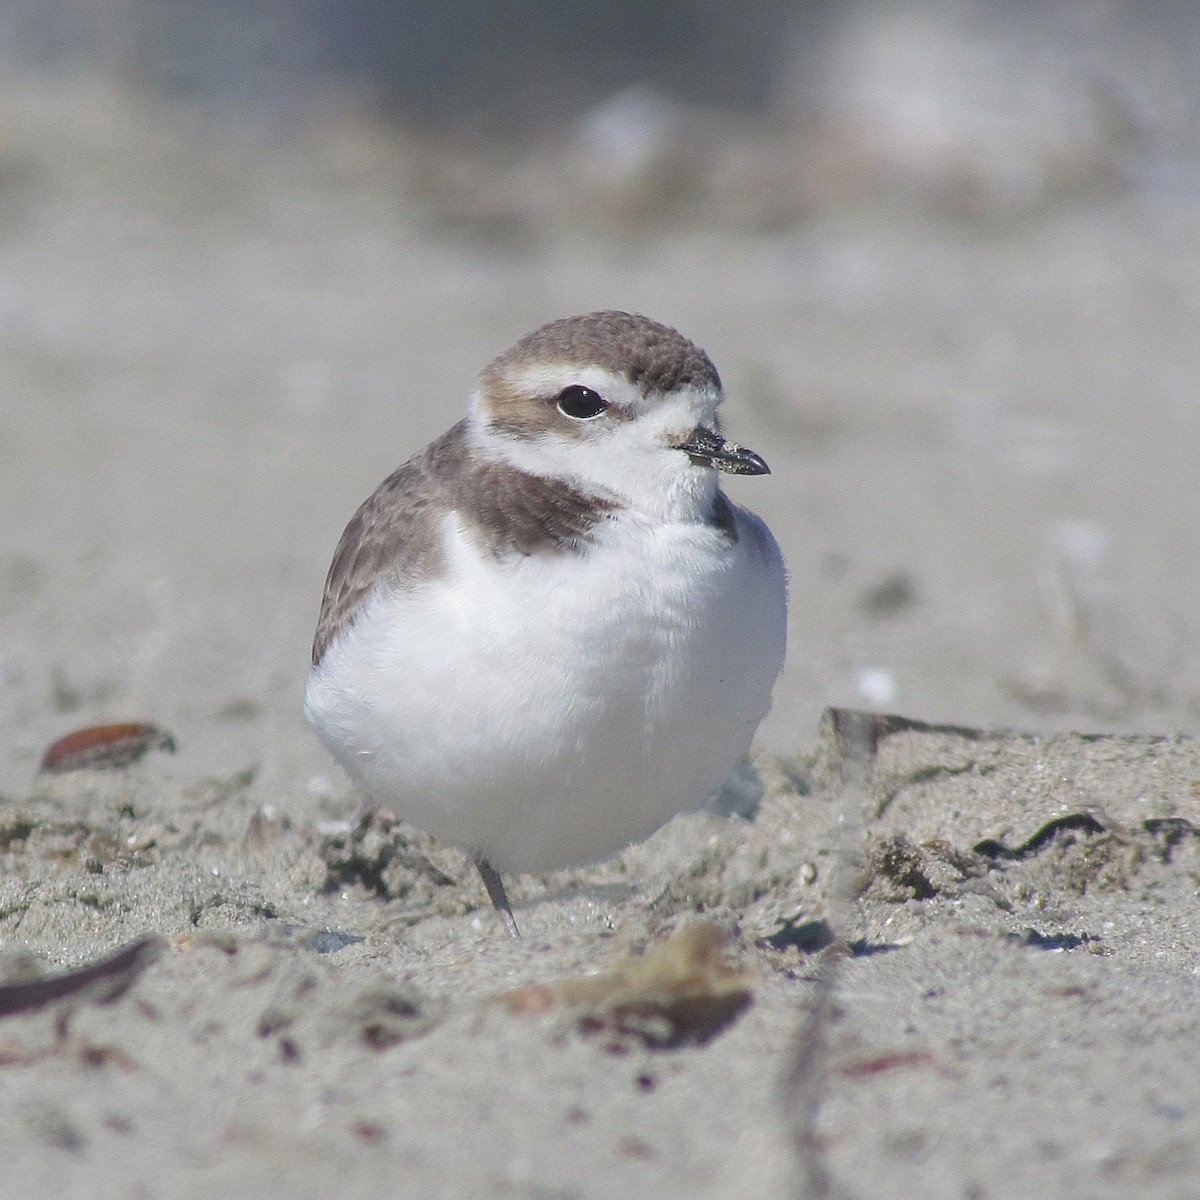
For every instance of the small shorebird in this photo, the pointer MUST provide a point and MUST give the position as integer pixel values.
(550, 630)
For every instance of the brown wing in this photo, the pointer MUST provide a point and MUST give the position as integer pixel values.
(394, 532)
(397, 531)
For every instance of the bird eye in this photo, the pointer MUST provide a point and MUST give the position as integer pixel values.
(580, 403)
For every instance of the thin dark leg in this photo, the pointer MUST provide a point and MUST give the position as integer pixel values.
(495, 890)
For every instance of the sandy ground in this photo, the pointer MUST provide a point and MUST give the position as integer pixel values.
(970, 958)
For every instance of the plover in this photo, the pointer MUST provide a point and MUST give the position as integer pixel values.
(550, 630)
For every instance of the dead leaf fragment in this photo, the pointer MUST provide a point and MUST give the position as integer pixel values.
(105, 747)
(682, 990)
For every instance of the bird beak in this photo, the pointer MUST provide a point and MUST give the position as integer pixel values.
(710, 449)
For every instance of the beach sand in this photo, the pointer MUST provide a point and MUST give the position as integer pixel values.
(931, 960)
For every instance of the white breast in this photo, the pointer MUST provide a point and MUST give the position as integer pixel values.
(548, 711)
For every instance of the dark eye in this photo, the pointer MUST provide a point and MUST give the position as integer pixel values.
(581, 403)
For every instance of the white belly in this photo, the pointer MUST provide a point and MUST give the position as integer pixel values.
(548, 711)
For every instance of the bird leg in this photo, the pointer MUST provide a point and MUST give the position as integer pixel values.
(495, 891)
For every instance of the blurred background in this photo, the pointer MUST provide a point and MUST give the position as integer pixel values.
(946, 255)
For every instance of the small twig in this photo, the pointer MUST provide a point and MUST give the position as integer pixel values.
(115, 974)
(803, 1086)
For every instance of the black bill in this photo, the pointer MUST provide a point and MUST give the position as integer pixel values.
(712, 450)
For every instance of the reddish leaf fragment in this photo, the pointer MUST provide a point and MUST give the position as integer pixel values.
(105, 747)
(889, 1062)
